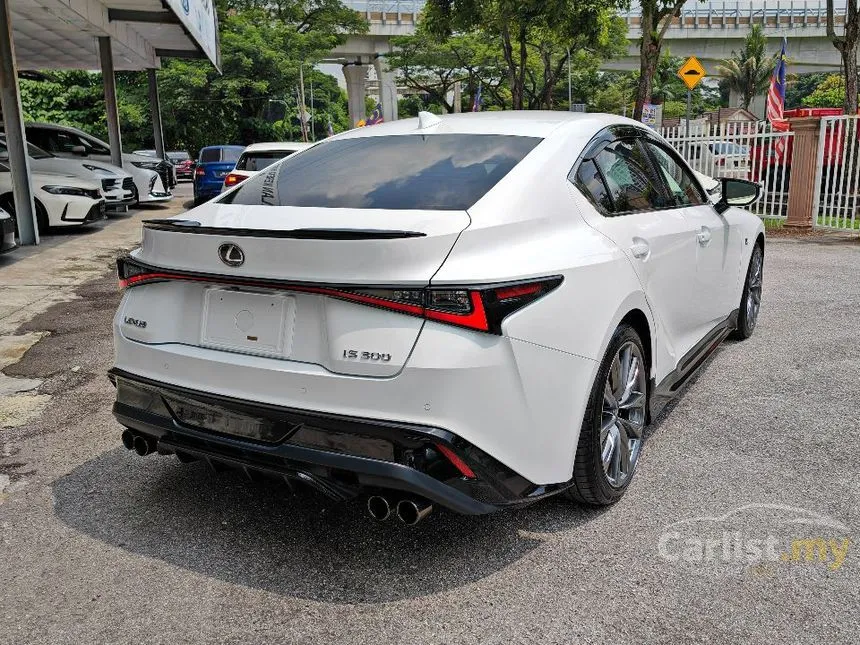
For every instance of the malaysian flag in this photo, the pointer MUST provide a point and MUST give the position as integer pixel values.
(776, 100)
(376, 116)
(476, 102)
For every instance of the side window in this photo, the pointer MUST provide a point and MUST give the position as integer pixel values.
(93, 146)
(590, 184)
(625, 168)
(682, 187)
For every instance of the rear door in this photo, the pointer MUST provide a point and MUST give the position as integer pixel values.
(621, 182)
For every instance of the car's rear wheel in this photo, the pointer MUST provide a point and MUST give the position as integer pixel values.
(751, 298)
(612, 431)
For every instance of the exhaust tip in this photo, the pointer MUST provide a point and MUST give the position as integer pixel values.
(128, 439)
(410, 512)
(142, 446)
(378, 507)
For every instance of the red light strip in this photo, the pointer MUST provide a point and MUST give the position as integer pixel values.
(518, 290)
(458, 463)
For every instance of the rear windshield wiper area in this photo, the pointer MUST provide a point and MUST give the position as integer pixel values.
(192, 226)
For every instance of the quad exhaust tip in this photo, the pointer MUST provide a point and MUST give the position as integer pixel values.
(140, 444)
(410, 511)
(378, 507)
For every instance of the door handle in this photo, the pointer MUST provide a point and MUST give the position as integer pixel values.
(639, 248)
(704, 236)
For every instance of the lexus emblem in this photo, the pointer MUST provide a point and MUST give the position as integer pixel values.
(231, 255)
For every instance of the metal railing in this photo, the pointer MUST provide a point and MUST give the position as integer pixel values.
(768, 13)
(838, 174)
(740, 150)
(382, 9)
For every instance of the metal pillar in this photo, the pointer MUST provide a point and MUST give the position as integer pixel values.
(387, 89)
(356, 80)
(10, 104)
(106, 57)
(155, 107)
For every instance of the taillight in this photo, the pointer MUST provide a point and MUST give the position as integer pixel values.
(479, 308)
(199, 171)
(232, 179)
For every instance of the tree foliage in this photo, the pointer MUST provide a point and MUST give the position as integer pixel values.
(829, 93)
(748, 71)
(255, 99)
(534, 37)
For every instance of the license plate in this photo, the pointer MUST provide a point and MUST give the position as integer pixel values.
(254, 323)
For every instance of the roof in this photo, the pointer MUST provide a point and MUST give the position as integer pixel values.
(219, 146)
(527, 123)
(270, 146)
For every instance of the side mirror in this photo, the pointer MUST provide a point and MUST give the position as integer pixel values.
(737, 192)
(78, 150)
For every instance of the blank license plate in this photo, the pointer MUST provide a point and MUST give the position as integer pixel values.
(255, 323)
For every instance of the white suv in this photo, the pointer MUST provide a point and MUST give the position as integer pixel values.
(476, 311)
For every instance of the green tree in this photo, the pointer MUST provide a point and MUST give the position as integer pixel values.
(657, 16)
(543, 30)
(829, 93)
(748, 71)
(800, 86)
(847, 44)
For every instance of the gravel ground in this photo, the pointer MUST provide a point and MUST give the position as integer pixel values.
(101, 546)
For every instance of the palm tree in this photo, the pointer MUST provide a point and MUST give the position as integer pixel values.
(748, 71)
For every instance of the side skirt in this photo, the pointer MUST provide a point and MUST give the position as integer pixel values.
(667, 389)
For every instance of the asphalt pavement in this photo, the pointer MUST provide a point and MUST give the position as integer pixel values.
(98, 545)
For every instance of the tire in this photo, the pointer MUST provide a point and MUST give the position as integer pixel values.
(613, 425)
(41, 217)
(7, 203)
(751, 297)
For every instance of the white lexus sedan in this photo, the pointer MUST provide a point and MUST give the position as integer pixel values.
(475, 311)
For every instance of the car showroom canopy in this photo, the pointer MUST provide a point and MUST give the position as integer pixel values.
(104, 35)
(62, 34)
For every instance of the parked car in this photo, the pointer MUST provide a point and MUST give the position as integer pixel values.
(721, 158)
(151, 176)
(213, 164)
(7, 232)
(117, 185)
(60, 200)
(477, 311)
(183, 163)
(258, 156)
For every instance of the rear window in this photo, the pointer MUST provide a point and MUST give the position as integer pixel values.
(260, 160)
(208, 155)
(424, 172)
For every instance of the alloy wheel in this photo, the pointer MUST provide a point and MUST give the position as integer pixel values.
(754, 285)
(623, 417)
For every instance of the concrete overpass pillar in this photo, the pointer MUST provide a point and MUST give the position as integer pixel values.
(387, 89)
(356, 81)
(10, 106)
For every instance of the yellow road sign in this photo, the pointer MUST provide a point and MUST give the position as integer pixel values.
(691, 72)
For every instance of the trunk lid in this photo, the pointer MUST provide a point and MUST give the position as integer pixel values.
(322, 247)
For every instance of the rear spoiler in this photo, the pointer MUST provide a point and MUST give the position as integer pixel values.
(193, 226)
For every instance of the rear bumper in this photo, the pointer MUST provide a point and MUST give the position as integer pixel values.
(337, 455)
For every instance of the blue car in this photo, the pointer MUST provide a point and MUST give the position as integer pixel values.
(213, 164)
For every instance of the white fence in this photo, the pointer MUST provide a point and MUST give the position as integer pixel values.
(740, 150)
(838, 173)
